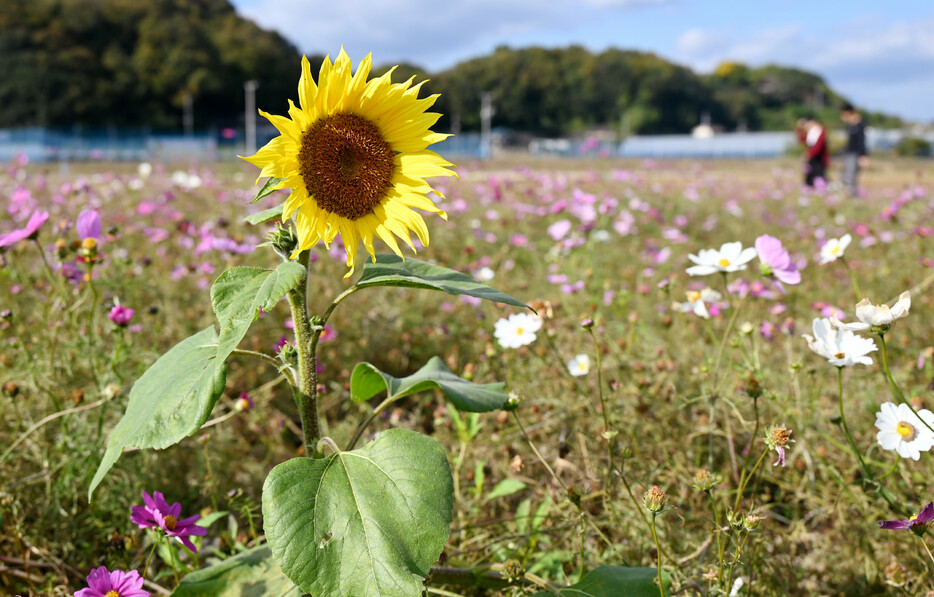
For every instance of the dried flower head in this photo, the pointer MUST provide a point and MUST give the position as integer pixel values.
(655, 500)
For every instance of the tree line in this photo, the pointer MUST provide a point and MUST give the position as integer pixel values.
(102, 63)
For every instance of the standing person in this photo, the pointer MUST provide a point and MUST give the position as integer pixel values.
(855, 156)
(812, 134)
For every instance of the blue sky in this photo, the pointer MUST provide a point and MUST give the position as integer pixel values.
(879, 54)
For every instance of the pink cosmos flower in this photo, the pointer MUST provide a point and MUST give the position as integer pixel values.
(121, 315)
(157, 514)
(244, 402)
(89, 224)
(559, 229)
(29, 231)
(103, 583)
(775, 260)
(916, 524)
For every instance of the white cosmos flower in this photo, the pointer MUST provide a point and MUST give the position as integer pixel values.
(900, 430)
(484, 274)
(517, 330)
(881, 316)
(731, 257)
(834, 248)
(579, 365)
(840, 346)
(697, 302)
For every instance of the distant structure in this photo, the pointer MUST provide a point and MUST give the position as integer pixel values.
(704, 130)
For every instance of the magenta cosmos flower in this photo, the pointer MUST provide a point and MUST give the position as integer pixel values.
(103, 583)
(916, 524)
(29, 231)
(156, 513)
(121, 315)
(88, 224)
(775, 260)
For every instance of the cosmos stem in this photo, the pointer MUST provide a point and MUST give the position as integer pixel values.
(658, 553)
(609, 434)
(896, 391)
(846, 429)
(853, 281)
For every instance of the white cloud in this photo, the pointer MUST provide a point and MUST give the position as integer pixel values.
(881, 68)
(431, 33)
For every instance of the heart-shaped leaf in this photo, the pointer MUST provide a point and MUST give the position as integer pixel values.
(370, 522)
(613, 581)
(268, 188)
(267, 215)
(367, 381)
(171, 400)
(240, 292)
(253, 573)
(392, 270)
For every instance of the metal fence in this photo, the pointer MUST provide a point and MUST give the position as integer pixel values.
(78, 144)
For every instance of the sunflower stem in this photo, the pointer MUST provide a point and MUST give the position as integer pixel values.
(306, 394)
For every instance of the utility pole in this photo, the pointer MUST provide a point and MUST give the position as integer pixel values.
(249, 89)
(486, 117)
(188, 116)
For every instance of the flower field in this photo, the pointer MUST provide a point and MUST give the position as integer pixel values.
(697, 390)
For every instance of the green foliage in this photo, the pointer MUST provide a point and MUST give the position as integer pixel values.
(170, 401)
(367, 522)
(914, 147)
(252, 573)
(123, 62)
(367, 381)
(239, 294)
(392, 270)
(268, 189)
(267, 215)
(613, 581)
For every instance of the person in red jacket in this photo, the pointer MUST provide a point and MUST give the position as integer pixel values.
(817, 158)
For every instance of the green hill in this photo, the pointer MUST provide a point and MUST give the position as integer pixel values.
(102, 63)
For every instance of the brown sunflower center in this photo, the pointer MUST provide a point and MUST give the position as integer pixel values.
(347, 164)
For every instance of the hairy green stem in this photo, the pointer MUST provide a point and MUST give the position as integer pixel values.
(306, 393)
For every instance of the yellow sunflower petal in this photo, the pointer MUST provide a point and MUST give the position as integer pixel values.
(307, 90)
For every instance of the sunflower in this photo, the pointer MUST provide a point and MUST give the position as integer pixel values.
(354, 154)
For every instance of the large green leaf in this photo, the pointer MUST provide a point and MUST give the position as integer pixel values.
(366, 523)
(267, 189)
(240, 292)
(171, 400)
(392, 270)
(614, 581)
(267, 215)
(253, 573)
(368, 381)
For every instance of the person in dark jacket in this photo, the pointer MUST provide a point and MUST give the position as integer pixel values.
(855, 156)
(813, 136)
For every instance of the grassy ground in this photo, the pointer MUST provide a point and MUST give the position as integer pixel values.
(682, 393)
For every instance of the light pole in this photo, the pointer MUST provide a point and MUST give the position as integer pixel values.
(486, 117)
(249, 89)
